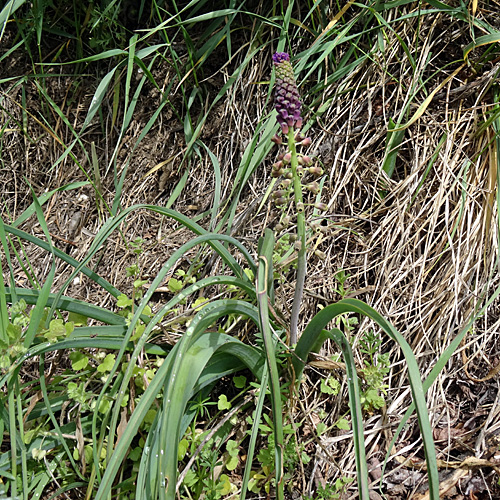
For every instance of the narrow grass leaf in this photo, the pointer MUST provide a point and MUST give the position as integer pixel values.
(480, 42)
(394, 139)
(421, 109)
(38, 311)
(256, 415)
(4, 316)
(98, 97)
(107, 54)
(32, 296)
(44, 197)
(9, 8)
(208, 16)
(66, 258)
(55, 424)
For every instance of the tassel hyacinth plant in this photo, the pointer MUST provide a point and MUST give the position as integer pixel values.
(291, 166)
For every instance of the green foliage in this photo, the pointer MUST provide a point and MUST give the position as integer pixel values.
(200, 479)
(330, 386)
(106, 30)
(293, 453)
(345, 322)
(376, 367)
(332, 491)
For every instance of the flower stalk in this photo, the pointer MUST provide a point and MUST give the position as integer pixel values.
(301, 238)
(288, 106)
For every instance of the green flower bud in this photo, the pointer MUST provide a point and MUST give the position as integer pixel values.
(313, 187)
(317, 171)
(320, 254)
(321, 206)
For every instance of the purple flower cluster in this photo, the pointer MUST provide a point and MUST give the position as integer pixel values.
(286, 95)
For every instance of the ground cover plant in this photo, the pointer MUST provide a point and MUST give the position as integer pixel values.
(249, 249)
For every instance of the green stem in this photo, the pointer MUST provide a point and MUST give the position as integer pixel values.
(301, 238)
(272, 366)
(13, 443)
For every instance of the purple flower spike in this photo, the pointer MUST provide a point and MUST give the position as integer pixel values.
(286, 95)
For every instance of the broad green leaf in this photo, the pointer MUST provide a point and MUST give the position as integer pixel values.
(123, 301)
(174, 285)
(240, 381)
(79, 361)
(320, 428)
(342, 424)
(223, 403)
(107, 363)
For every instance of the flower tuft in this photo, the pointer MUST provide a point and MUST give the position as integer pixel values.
(286, 94)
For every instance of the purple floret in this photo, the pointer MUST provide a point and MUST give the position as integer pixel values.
(279, 57)
(286, 94)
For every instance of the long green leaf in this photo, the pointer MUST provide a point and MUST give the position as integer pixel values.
(179, 385)
(45, 197)
(67, 304)
(66, 258)
(310, 337)
(356, 411)
(162, 377)
(265, 264)
(114, 222)
(38, 310)
(442, 361)
(9, 8)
